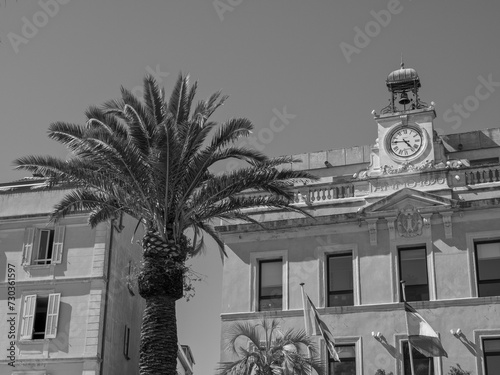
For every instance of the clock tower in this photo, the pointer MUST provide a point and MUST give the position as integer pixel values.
(406, 138)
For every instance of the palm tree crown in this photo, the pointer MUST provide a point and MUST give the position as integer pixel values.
(152, 159)
(263, 349)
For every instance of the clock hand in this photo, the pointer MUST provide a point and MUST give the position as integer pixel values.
(408, 143)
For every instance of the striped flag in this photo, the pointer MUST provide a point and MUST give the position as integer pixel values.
(421, 335)
(315, 326)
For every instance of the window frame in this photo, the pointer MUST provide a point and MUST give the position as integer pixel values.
(400, 276)
(399, 339)
(38, 260)
(471, 239)
(476, 259)
(346, 291)
(323, 253)
(351, 359)
(32, 242)
(255, 258)
(487, 338)
(430, 359)
(28, 313)
(479, 336)
(259, 292)
(343, 341)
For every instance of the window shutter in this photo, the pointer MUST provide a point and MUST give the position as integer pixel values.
(29, 235)
(52, 316)
(28, 317)
(57, 247)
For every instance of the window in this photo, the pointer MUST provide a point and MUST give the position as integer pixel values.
(347, 364)
(413, 270)
(45, 242)
(126, 341)
(340, 280)
(270, 285)
(48, 246)
(40, 316)
(491, 348)
(488, 268)
(422, 365)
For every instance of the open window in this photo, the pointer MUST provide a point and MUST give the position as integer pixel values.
(43, 246)
(40, 316)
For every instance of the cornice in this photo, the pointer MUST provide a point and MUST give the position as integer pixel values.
(462, 302)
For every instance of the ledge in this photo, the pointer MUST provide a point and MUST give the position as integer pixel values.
(40, 361)
(462, 302)
(86, 279)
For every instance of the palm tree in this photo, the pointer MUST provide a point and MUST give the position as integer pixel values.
(152, 159)
(263, 349)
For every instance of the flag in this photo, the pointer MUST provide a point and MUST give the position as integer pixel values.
(315, 324)
(421, 335)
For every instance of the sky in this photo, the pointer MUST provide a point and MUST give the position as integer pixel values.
(307, 74)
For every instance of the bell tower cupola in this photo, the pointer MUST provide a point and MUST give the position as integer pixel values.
(403, 84)
(406, 139)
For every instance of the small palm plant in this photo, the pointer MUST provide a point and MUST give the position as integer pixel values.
(458, 371)
(263, 349)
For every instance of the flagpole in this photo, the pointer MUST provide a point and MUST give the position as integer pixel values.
(410, 349)
(305, 318)
(304, 308)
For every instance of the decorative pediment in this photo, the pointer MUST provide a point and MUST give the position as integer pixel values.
(401, 200)
(408, 214)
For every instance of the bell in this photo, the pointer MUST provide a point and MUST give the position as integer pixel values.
(404, 98)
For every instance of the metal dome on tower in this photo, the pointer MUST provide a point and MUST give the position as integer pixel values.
(403, 82)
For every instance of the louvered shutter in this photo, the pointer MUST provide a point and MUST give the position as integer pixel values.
(57, 247)
(52, 316)
(28, 317)
(29, 235)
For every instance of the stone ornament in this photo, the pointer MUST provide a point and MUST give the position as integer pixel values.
(409, 222)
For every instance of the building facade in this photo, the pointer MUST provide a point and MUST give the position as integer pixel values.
(414, 207)
(68, 292)
(66, 303)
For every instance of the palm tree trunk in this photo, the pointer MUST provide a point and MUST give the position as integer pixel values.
(158, 350)
(160, 283)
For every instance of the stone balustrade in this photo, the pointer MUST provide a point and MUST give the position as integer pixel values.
(482, 175)
(322, 192)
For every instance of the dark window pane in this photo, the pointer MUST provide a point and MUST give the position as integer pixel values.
(343, 368)
(347, 366)
(417, 293)
(45, 247)
(488, 256)
(340, 280)
(413, 270)
(271, 285)
(489, 289)
(340, 273)
(40, 318)
(341, 299)
(422, 364)
(492, 345)
(491, 355)
(488, 268)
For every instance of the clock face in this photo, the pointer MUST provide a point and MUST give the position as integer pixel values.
(406, 142)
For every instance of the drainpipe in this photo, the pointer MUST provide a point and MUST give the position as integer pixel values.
(106, 300)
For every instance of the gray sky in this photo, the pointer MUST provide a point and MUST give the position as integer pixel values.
(323, 63)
